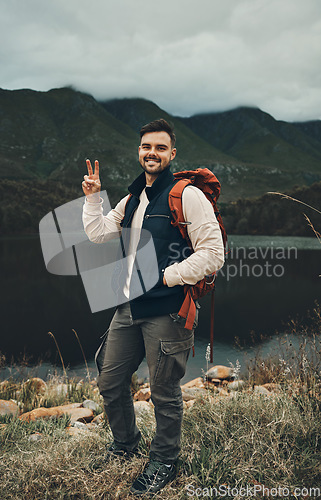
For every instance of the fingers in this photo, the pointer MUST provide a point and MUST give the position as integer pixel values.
(88, 180)
(91, 184)
(84, 187)
(89, 188)
(97, 168)
(89, 167)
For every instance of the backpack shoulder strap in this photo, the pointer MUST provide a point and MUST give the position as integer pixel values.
(176, 208)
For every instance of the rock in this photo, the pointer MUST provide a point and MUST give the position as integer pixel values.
(80, 415)
(193, 393)
(236, 385)
(79, 425)
(272, 387)
(75, 431)
(55, 411)
(144, 386)
(223, 392)
(36, 436)
(213, 388)
(8, 408)
(215, 381)
(196, 382)
(88, 403)
(188, 404)
(142, 408)
(99, 419)
(36, 385)
(220, 372)
(91, 427)
(259, 389)
(143, 394)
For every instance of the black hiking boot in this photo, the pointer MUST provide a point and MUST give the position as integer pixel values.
(155, 476)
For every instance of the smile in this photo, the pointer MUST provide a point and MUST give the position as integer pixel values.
(152, 163)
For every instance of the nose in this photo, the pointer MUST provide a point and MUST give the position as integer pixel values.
(152, 151)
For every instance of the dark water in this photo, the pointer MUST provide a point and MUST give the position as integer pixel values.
(265, 282)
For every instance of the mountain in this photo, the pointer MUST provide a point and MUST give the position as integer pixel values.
(282, 154)
(312, 128)
(192, 149)
(48, 135)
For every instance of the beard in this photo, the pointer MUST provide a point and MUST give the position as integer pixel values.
(153, 166)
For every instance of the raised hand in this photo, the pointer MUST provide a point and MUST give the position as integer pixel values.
(91, 183)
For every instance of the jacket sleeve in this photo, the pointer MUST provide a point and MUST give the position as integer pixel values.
(206, 238)
(99, 227)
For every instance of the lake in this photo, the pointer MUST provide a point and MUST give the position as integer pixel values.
(265, 282)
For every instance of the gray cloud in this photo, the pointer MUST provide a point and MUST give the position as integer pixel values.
(187, 58)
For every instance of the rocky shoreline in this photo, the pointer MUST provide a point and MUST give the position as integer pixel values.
(218, 382)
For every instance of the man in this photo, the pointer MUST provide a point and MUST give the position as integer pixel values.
(149, 324)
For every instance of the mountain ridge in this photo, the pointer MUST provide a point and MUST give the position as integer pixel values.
(48, 135)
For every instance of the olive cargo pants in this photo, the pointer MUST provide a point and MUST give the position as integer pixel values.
(166, 344)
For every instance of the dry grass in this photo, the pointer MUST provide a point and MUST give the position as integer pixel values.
(243, 440)
(292, 363)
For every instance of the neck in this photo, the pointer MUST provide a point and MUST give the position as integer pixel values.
(150, 179)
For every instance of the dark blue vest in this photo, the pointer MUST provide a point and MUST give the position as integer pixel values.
(169, 245)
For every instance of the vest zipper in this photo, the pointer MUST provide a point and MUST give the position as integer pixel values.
(157, 215)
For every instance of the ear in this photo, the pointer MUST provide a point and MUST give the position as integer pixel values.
(173, 153)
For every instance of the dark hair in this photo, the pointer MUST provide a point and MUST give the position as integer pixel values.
(160, 125)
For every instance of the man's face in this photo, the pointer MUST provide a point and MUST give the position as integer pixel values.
(155, 152)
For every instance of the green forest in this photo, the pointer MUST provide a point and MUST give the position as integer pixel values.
(24, 203)
(272, 214)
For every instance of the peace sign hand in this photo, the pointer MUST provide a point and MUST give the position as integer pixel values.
(91, 183)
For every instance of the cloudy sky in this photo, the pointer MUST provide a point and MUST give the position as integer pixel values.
(187, 57)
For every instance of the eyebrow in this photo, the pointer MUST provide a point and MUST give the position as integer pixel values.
(148, 144)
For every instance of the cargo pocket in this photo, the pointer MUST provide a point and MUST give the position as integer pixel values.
(172, 359)
(100, 353)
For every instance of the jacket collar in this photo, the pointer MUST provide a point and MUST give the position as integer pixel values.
(163, 180)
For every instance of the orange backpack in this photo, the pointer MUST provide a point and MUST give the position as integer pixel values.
(207, 182)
